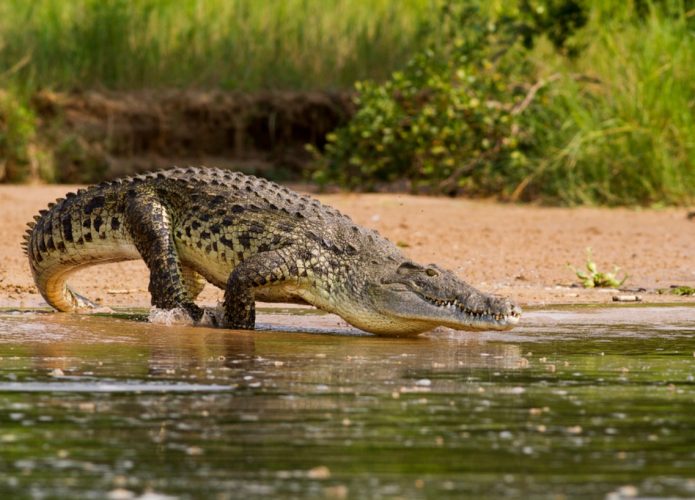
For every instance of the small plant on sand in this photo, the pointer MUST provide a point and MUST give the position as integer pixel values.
(593, 278)
(683, 291)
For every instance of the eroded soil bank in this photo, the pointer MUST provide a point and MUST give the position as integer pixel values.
(521, 251)
(103, 135)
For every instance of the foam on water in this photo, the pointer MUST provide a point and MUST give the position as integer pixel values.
(169, 317)
(179, 316)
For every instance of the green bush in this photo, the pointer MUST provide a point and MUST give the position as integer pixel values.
(17, 134)
(22, 155)
(600, 115)
(453, 120)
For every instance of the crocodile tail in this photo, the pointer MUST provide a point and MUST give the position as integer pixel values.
(79, 230)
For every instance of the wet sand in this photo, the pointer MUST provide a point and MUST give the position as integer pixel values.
(517, 250)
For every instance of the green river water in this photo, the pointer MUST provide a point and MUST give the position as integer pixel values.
(574, 403)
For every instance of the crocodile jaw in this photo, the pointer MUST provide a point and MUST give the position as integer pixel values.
(398, 310)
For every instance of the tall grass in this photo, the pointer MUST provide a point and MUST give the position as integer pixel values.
(233, 44)
(625, 132)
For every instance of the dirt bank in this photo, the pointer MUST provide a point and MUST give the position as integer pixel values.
(104, 135)
(521, 251)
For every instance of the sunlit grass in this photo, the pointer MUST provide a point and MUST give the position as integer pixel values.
(233, 44)
(625, 114)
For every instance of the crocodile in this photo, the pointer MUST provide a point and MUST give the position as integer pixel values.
(256, 240)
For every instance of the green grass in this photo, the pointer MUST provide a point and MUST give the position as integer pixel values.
(625, 130)
(230, 44)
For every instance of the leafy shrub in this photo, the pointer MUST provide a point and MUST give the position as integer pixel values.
(557, 19)
(451, 121)
(23, 156)
(17, 133)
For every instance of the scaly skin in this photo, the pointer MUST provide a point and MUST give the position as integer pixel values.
(257, 241)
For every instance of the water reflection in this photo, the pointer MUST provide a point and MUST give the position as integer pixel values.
(207, 354)
(579, 403)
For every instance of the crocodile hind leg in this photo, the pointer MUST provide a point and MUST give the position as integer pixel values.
(150, 229)
(193, 281)
(267, 268)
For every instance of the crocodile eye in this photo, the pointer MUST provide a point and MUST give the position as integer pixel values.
(432, 272)
(408, 267)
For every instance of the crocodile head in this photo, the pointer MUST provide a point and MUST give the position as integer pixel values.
(408, 298)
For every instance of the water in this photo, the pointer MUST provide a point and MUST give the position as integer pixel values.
(575, 403)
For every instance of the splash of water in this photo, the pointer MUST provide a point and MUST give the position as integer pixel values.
(169, 317)
(179, 316)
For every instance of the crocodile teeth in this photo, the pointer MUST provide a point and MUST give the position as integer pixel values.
(455, 304)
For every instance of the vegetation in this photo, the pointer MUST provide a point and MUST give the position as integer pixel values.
(603, 115)
(16, 132)
(593, 278)
(21, 153)
(622, 133)
(449, 120)
(682, 290)
(213, 44)
(563, 101)
(230, 44)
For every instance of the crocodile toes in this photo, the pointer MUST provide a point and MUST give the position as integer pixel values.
(195, 312)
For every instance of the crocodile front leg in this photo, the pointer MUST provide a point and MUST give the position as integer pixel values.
(262, 269)
(150, 229)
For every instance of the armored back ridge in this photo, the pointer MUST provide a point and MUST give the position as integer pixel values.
(257, 241)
